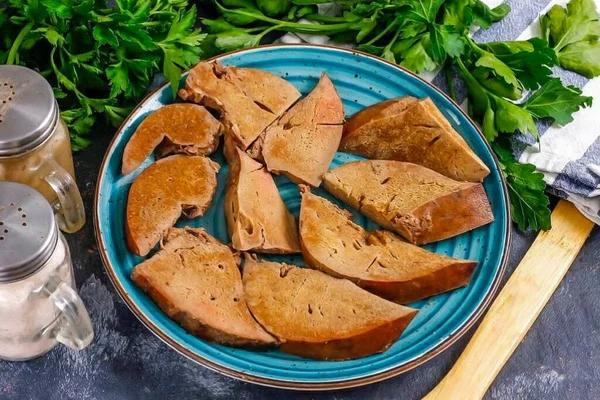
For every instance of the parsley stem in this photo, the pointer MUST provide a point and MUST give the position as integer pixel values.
(152, 23)
(449, 76)
(14, 50)
(257, 29)
(290, 26)
(326, 18)
(391, 43)
(157, 7)
(273, 28)
(470, 79)
(382, 33)
(474, 46)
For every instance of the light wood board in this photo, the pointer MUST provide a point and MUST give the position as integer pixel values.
(517, 306)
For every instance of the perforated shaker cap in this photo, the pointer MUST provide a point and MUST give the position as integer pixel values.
(28, 110)
(28, 231)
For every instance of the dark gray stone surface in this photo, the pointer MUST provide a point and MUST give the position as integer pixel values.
(559, 358)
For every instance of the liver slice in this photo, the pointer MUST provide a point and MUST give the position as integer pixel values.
(317, 316)
(377, 261)
(303, 142)
(420, 204)
(257, 217)
(245, 98)
(173, 129)
(196, 281)
(169, 188)
(418, 134)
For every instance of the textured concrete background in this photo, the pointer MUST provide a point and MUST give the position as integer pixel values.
(559, 359)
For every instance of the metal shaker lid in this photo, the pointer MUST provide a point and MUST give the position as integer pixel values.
(28, 110)
(28, 231)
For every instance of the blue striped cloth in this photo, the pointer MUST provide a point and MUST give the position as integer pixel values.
(570, 156)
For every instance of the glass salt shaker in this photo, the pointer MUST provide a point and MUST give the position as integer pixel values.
(35, 147)
(38, 304)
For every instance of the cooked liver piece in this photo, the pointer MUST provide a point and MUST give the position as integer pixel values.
(317, 316)
(196, 281)
(377, 261)
(266, 89)
(257, 217)
(229, 149)
(248, 100)
(384, 109)
(419, 134)
(174, 129)
(302, 143)
(170, 187)
(418, 203)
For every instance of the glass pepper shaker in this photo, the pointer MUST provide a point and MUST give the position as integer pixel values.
(38, 304)
(35, 147)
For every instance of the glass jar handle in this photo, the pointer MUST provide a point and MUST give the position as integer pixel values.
(74, 327)
(71, 216)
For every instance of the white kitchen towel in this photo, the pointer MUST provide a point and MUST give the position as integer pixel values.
(569, 156)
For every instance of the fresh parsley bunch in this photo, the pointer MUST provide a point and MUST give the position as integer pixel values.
(99, 59)
(102, 59)
(424, 35)
(573, 33)
(498, 75)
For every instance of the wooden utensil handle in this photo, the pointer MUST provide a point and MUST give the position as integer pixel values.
(516, 307)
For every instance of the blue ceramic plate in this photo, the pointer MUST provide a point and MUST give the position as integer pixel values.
(361, 80)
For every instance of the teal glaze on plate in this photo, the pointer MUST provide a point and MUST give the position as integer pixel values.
(361, 80)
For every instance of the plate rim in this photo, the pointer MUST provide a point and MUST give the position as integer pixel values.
(290, 384)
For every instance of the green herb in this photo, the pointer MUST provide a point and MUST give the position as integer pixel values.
(530, 60)
(556, 101)
(528, 203)
(274, 8)
(499, 114)
(99, 60)
(574, 32)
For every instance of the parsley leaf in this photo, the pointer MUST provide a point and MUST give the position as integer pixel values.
(79, 122)
(116, 115)
(528, 202)
(488, 125)
(453, 44)
(105, 35)
(512, 118)
(531, 60)
(425, 10)
(500, 69)
(582, 57)
(444, 41)
(484, 16)
(458, 13)
(134, 35)
(236, 39)
(128, 76)
(556, 101)
(574, 32)
(492, 72)
(181, 47)
(415, 58)
(99, 60)
(485, 106)
(463, 13)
